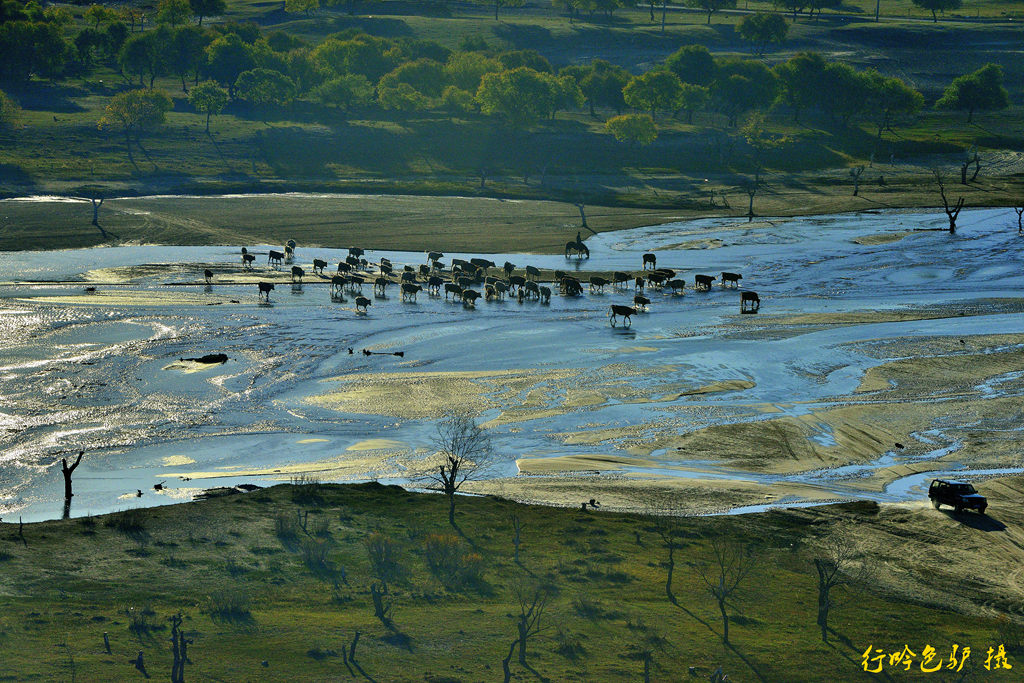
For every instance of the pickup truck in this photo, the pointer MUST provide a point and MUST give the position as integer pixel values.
(957, 494)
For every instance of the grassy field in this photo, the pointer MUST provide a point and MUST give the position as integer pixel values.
(262, 598)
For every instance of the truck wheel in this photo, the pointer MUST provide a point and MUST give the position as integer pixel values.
(981, 510)
(935, 503)
(958, 509)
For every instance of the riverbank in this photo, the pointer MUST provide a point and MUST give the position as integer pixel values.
(276, 585)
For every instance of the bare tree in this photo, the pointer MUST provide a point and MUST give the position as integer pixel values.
(67, 471)
(644, 650)
(839, 566)
(1020, 215)
(667, 527)
(751, 187)
(950, 213)
(972, 157)
(517, 527)
(179, 648)
(533, 599)
(731, 563)
(465, 449)
(856, 173)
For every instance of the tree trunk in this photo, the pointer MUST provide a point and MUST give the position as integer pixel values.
(451, 508)
(208, 114)
(522, 641)
(709, 18)
(664, 11)
(647, 669)
(725, 622)
(496, 3)
(671, 569)
(505, 662)
(96, 210)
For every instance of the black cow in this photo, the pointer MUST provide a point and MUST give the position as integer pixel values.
(508, 268)
(516, 281)
(597, 283)
(355, 251)
(650, 258)
(362, 302)
(408, 276)
(452, 288)
(469, 297)
(380, 285)
(247, 260)
(482, 263)
(338, 283)
(409, 291)
(265, 289)
(616, 310)
(297, 272)
(531, 289)
(641, 302)
(677, 285)
(208, 274)
(620, 278)
(750, 302)
(434, 255)
(275, 257)
(702, 283)
(734, 278)
(545, 294)
(319, 264)
(434, 284)
(532, 273)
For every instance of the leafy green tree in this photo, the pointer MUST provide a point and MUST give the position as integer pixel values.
(818, 5)
(711, 6)
(762, 29)
(186, 53)
(402, 97)
(425, 76)
(743, 85)
(32, 48)
(88, 42)
(114, 37)
(603, 85)
(844, 92)
(794, 6)
(143, 54)
(760, 141)
(979, 91)
(938, 6)
(9, 111)
(208, 8)
(303, 70)
(368, 56)
(208, 98)
(98, 15)
(692, 99)
(344, 92)
(465, 69)
(296, 6)
(498, 4)
(226, 58)
(800, 81)
(531, 59)
(173, 12)
(135, 112)
(888, 99)
(263, 87)
(524, 96)
(457, 100)
(654, 90)
(566, 94)
(693, 64)
(635, 129)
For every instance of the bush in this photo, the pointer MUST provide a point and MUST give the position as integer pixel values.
(449, 561)
(383, 553)
(131, 523)
(307, 490)
(229, 605)
(314, 554)
(286, 528)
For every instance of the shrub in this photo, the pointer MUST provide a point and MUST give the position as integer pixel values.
(286, 528)
(449, 561)
(314, 554)
(383, 553)
(307, 490)
(229, 605)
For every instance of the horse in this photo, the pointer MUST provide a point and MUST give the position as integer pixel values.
(750, 302)
(452, 288)
(409, 291)
(545, 295)
(380, 285)
(247, 260)
(297, 273)
(275, 257)
(208, 274)
(702, 283)
(677, 285)
(508, 268)
(469, 297)
(650, 258)
(355, 251)
(532, 273)
(319, 264)
(641, 302)
(362, 301)
(597, 283)
(532, 289)
(265, 288)
(734, 278)
(616, 310)
(434, 285)
(582, 251)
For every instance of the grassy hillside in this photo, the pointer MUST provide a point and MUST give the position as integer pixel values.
(263, 598)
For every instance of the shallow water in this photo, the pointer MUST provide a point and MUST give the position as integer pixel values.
(89, 373)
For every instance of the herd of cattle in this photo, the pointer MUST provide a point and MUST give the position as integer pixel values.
(459, 280)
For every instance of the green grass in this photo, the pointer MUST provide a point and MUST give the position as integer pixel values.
(249, 599)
